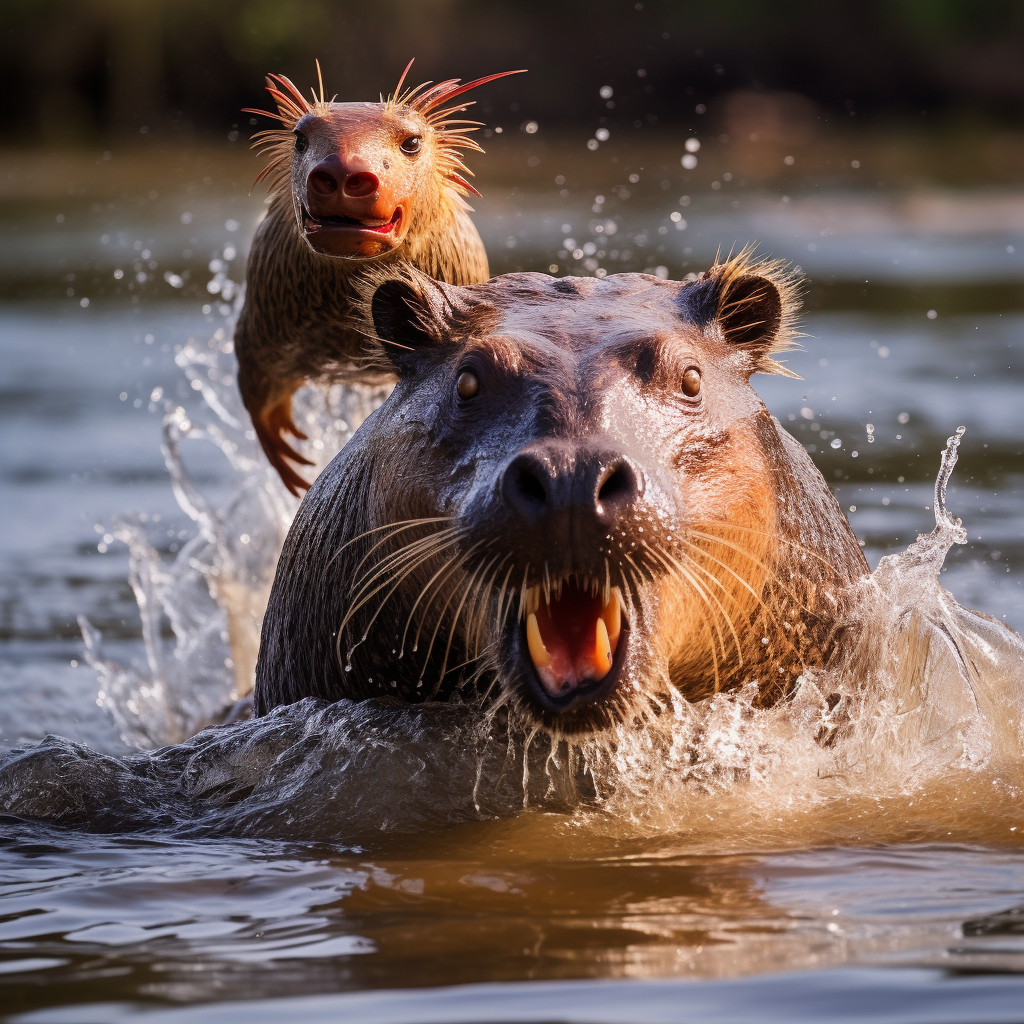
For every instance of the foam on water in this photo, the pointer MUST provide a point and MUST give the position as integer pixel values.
(919, 732)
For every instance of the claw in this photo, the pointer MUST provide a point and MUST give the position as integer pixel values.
(271, 423)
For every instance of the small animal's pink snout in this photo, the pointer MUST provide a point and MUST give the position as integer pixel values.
(360, 184)
(331, 177)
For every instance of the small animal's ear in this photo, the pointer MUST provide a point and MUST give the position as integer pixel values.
(410, 316)
(753, 305)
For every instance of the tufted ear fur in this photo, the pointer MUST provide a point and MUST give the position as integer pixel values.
(752, 304)
(750, 311)
(407, 316)
(403, 316)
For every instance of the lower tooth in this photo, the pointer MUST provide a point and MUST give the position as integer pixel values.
(603, 649)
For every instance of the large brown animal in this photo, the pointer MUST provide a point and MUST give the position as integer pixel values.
(573, 501)
(352, 185)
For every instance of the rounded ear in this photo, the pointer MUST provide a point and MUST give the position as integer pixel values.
(410, 317)
(754, 305)
(397, 313)
(750, 312)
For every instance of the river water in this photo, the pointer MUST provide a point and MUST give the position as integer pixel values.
(338, 861)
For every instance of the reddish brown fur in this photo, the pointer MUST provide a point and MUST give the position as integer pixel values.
(296, 324)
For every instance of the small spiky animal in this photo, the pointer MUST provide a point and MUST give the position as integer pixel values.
(352, 185)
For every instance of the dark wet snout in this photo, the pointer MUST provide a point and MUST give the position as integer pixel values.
(333, 181)
(569, 494)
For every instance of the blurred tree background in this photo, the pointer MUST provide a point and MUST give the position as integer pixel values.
(85, 71)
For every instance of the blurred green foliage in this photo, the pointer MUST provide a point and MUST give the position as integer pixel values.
(87, 69)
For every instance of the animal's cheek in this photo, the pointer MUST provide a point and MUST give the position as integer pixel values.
(680, 615)
(713, 493)
(476, 494)
(410, 183)
(300, 169)
(460, 481)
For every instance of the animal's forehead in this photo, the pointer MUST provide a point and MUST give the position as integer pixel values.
(353, 117)
(581, 313)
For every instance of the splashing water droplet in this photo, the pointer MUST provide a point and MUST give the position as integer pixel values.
(944, 521)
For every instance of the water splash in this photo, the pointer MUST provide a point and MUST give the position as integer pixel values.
(927, 699)
(213, 593)
(917, 733)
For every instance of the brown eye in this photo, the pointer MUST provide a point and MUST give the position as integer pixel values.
(412, 145)
(467, 385)
(691, 382)
(301, 142)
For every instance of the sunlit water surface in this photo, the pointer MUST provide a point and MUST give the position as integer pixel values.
(325, 859)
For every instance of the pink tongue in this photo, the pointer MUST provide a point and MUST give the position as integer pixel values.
(568, 628)
(385, 227)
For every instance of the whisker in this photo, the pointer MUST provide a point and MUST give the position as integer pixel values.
(392, 563)
(416, 563)
(476, 588)
(455, 621)
(706, 524)
(760, 601)
(771, 573)
(424, 557)
(423, 553)
(440, 534)
(523, 590)
(501, 598)
(475, 616)
(477, 656)
(710, 621)
(453, 565)
(721, 607)
(405, 524)
(452, 562)
(496, 630)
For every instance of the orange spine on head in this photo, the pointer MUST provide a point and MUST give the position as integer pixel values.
(425, 99)
(450, 132)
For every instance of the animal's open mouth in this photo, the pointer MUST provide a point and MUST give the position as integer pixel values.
(311, 224)
(573, 642)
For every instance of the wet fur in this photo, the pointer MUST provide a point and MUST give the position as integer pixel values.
(397, 577)
(297, 324)
(297, 321)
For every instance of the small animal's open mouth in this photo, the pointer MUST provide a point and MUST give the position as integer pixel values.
(311, 224)
(573, 643)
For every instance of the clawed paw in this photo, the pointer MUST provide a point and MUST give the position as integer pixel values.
(272, 422)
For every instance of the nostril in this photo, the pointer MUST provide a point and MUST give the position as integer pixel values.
(617, 484)
(361, 184)
(322, 182)
(525, 489)
(617, 487)
(530, 487)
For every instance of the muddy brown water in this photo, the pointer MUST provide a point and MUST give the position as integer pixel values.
(886, 886)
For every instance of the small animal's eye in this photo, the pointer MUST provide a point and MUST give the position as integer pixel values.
(301, 142)
(412, 145)
(468, 384)
(691, 382)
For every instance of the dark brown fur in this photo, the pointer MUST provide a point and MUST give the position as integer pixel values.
(296, 324)
(410, 564)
